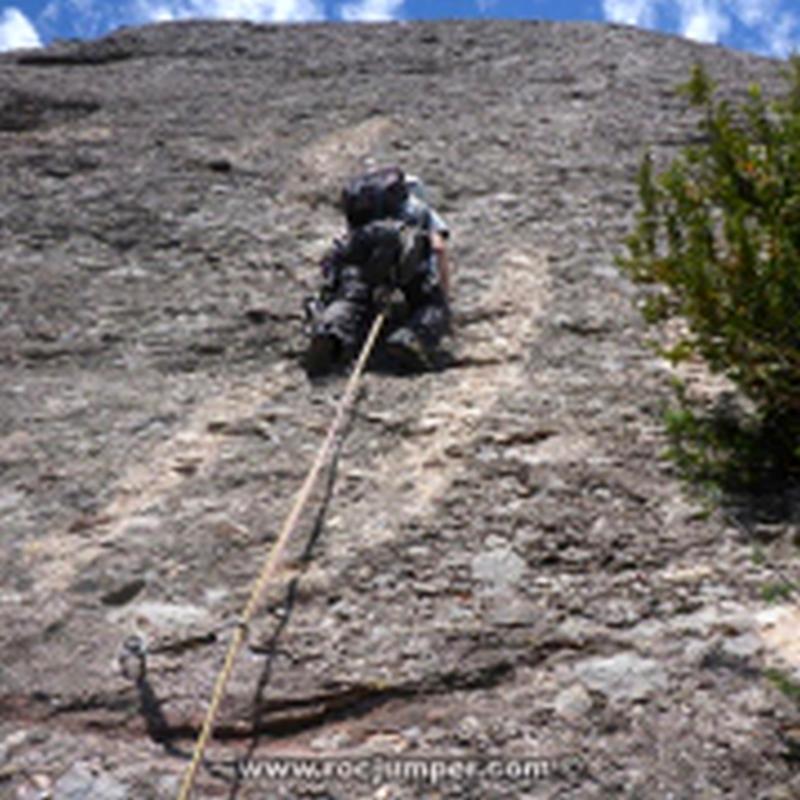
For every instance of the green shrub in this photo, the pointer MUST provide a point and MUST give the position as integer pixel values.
(718, 237)
(778, 592)
(784, 684)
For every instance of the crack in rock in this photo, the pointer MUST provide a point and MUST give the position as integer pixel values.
(284, 716)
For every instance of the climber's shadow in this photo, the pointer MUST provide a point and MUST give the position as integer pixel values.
(271, 649)
(158, 727)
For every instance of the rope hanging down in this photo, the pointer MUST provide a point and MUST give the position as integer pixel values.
(240, 632)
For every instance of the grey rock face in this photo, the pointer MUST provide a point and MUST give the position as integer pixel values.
(499, 569)
(500, 564)
(573, 703)
(83, 783)
(625, 676)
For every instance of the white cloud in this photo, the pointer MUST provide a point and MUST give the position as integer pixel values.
(81, 18)
(371, 10)
(703, 20)
(767, 21)
(16, 31)
(253, 10)
(783, 36)
(158, 12)
(264, 10)
(631, 12)
(755, 12)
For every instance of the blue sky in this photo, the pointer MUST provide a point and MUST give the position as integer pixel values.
(768, 27)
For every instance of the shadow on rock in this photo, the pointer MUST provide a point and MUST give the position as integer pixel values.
(133, 664)
(272, 649)
(749, 463)
(157, 725)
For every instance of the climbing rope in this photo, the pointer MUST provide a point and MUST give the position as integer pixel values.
(273, 558)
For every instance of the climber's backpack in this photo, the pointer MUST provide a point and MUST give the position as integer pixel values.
(374, 195)
(387, 251)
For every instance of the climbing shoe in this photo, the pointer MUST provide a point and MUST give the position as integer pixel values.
(323, 354)
(407, 352)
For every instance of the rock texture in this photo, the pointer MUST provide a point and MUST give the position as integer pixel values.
(502, 564)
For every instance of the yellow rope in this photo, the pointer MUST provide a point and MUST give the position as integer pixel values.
(273, 559)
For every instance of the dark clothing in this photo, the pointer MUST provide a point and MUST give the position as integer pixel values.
(429, 311)
(351, 309)
(347, 313)
(348, 306)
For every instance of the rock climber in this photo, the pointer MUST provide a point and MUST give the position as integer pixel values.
(393, 258)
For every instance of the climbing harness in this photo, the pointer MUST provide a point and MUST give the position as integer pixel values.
(274, 556)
